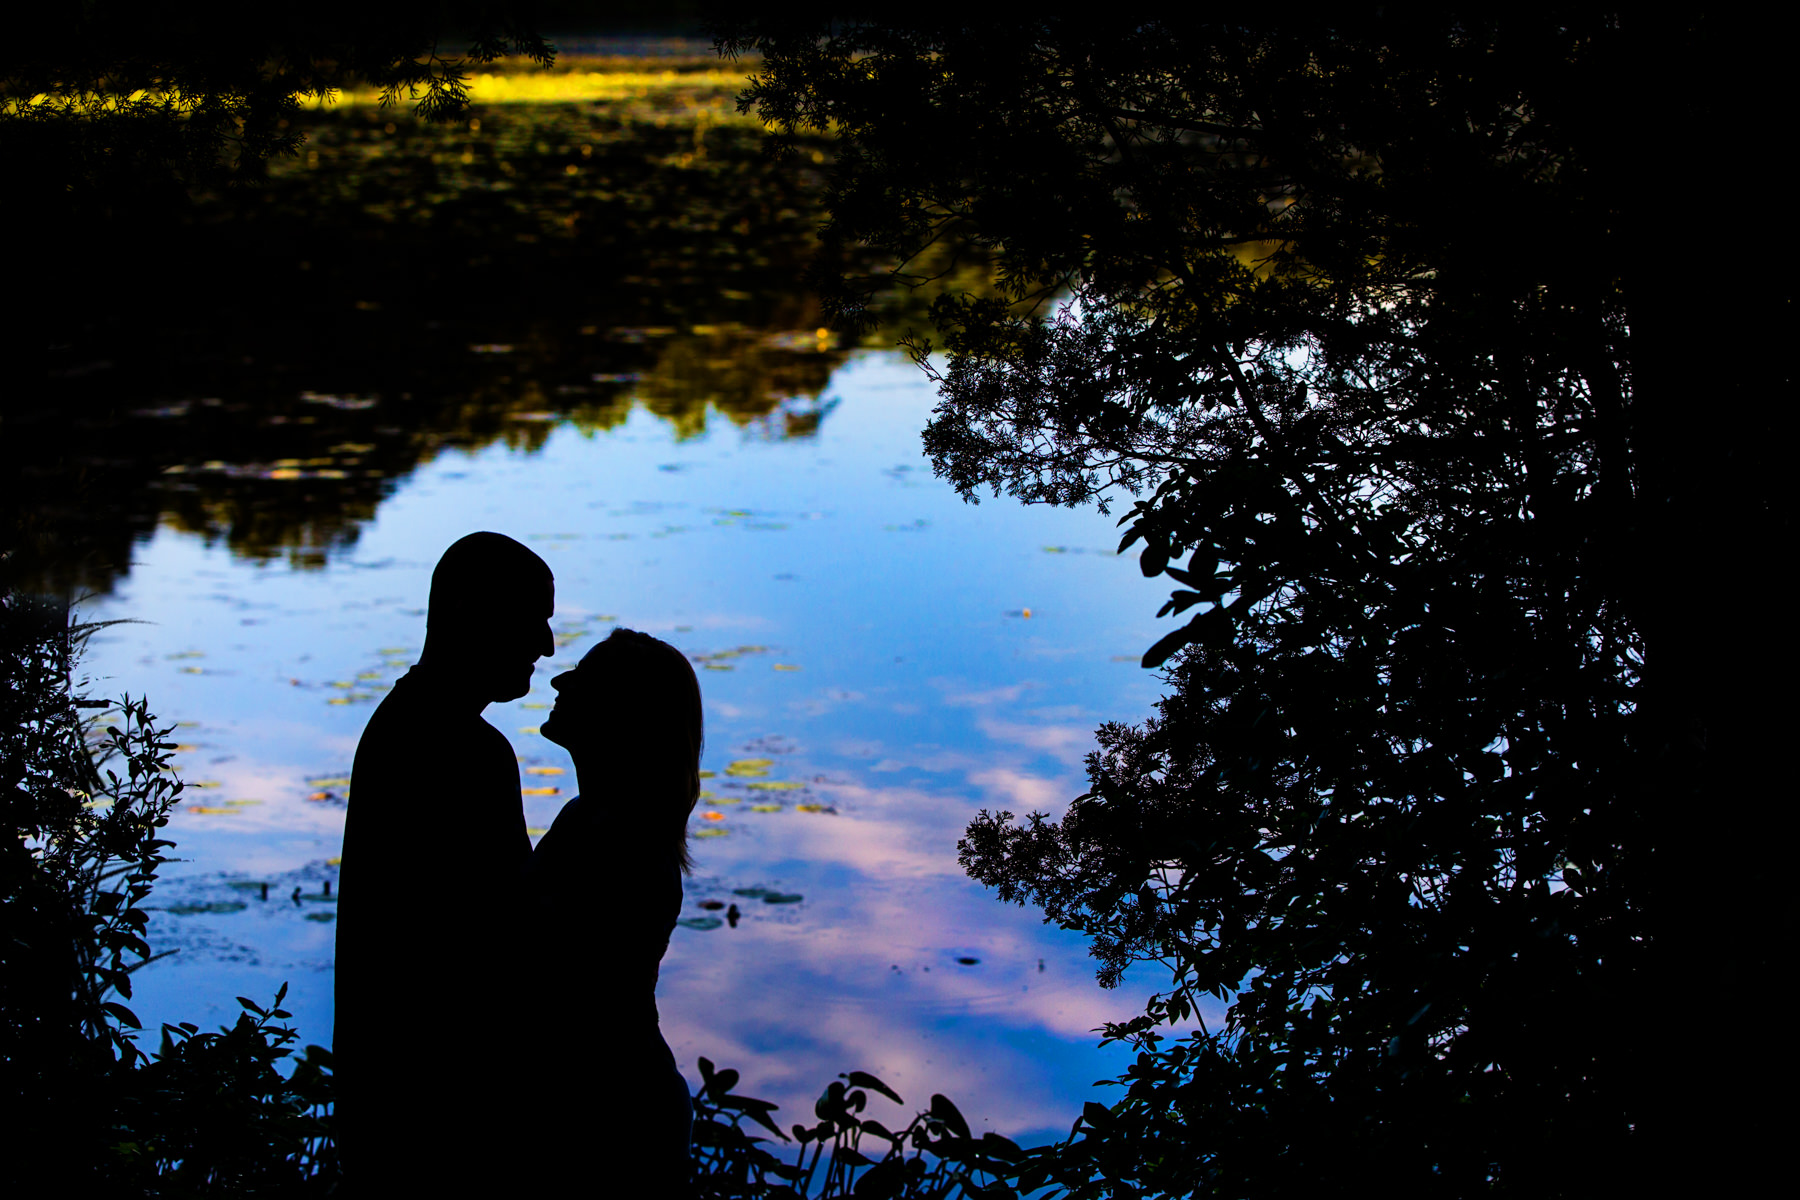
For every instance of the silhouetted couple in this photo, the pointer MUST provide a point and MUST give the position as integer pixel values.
(496, 1007)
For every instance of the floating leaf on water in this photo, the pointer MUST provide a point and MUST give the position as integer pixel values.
(708, 774)
(334, 862)
(241, 803)
(712, 905)
(711, 831)
(540, 791)
(775, 785)
(968, 960)
(786, 667)
(528, 729)
(321, 917)
(394, 650)
(209, 808)
(815, 808)
(205, 783)
(343, 683)
(213, 906)
(748, 767)
(330, 782)
(246, 885)
(366, 675)
(753, 892)
(718, 800)
(533, 831)
(533, 704)
(184, 749)
(700, 922)
(322, 796)
(782, 898)
(765, 808)
(712, 816)
(339, 700)
(193, 670)
(186, 654)
(709, 667)
(545, 771)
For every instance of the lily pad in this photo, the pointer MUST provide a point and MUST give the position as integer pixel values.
(700, 922)
(213, 906)
(783, 898)
(321, 916)
(545, 771)
(749, 767)
(711, 831)
(765, 808)
(775, 785)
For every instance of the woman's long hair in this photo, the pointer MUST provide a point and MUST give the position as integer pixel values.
(645, 698)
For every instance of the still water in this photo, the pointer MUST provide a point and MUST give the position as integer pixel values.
(879, 661)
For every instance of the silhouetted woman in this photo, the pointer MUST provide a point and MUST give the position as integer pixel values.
(608, 874)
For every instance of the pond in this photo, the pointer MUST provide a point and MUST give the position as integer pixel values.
(580, 324)
(879, 660)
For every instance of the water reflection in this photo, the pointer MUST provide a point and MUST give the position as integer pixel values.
(403, 288)
(870, 677)
(422, 332)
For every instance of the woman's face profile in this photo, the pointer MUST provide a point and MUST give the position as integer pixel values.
(573, 711)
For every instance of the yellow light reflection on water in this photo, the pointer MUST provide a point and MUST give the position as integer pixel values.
(564, 87)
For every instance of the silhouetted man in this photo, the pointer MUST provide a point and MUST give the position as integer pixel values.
(435, 856)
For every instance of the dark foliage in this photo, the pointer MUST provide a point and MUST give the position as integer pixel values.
(90, 1111)
(1356, 312)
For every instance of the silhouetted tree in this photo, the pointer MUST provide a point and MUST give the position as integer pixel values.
(1402, 334)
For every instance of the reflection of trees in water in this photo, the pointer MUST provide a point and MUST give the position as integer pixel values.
(400, 289)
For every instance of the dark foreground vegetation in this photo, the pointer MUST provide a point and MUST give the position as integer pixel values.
(1395, 338)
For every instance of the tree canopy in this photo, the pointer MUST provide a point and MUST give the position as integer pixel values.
(1369, 321)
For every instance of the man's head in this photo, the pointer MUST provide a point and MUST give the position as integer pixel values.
(489, 616)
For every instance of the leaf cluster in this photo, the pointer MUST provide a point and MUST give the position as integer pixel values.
(87, 790)
(933, 1155)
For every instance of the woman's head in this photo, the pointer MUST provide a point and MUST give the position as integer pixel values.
(630, 711)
